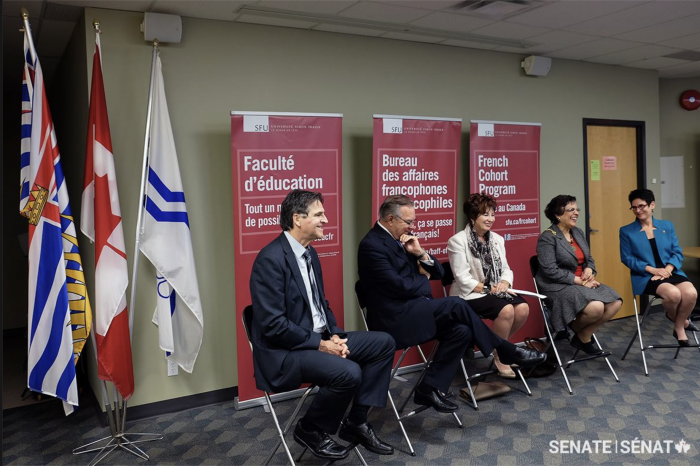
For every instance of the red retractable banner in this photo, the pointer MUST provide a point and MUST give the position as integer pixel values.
(505, 164)
(419, 157)
(272, 154)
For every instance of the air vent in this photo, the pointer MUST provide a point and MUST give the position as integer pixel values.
(495, 9)
(60, 12)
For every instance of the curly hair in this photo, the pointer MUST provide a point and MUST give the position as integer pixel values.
(556, 207)
(647, 195)
(478, 204)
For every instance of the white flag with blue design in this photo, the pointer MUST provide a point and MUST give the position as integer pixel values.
(166, 241)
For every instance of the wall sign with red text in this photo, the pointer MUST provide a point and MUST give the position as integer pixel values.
(271, 155)
(505, 164)
(419, 157)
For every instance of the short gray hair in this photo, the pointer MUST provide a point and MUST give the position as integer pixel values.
(392, 206)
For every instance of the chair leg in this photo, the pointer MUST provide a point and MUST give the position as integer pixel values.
(595, 339)
(426, 365)
(522, 379)
(469, 385)
(556, 352)
(360, 457)
(281, 434)
(403, 429)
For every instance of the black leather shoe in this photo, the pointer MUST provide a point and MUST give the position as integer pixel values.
(431, 397)
(320, 443)
(364, 434)
(588, 348)
(523, 357)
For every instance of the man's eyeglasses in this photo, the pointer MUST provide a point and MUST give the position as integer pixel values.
(635, 208)
(407, 222)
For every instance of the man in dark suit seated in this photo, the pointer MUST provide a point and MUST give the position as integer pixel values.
(296, 339)
(394, 273)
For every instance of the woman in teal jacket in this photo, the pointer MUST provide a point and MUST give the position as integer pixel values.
(649, 247)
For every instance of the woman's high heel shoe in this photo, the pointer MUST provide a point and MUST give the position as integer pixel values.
(680, 342)
(691, 326)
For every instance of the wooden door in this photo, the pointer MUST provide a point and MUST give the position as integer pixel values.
(614, 167)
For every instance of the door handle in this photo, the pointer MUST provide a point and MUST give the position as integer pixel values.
(592, 230)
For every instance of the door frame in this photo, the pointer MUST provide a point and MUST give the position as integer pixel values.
(640, 127)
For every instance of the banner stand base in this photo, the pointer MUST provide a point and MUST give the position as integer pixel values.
(260, 401)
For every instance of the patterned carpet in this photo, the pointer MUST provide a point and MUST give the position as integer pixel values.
(640, 419)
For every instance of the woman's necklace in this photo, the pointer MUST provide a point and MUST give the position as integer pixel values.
(571, 242)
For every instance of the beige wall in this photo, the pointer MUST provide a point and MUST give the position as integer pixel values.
(223, 66)
(680, 135)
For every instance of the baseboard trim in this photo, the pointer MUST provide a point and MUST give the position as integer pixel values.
(160, 408)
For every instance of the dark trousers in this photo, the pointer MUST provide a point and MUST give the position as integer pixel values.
(457, 328)
(363, 375)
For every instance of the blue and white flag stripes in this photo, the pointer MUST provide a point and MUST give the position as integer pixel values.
(166, 241)
(59, 312)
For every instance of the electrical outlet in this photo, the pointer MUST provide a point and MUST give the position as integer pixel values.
(172, 368)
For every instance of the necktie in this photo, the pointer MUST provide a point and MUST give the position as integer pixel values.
(314, 288)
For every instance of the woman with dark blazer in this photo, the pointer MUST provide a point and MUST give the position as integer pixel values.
(566, 275)
(649, 247)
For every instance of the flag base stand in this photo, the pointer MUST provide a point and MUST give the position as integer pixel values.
(119, 441)
(118, 438)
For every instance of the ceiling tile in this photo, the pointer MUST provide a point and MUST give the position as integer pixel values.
(690, 42)
(14, 8)
(384, 12)
(664, 31)
(553, 40)
(323, 8)
(593, 49)
(451, 22)
(54, 38)
(425, 4)
(348, 30)
(289, 23)
(656, 63)
(562, 14)
(224, 11)
(129, 5)
(411, 37)
(468, 44)
(631, 55)
(691, 69)
(638, 17)
(505, 30)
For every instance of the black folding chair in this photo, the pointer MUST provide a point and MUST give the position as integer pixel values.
(248, 325)
(651, 309)
(447, 279)
(544, 306)
(398, 413)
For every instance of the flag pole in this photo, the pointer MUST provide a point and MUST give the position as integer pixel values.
(117, 419)
(142, 191)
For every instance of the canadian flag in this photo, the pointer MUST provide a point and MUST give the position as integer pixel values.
(101, 221)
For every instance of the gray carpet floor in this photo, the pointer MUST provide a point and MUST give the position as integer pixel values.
(635, 416)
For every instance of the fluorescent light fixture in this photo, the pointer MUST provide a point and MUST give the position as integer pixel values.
(255, 10)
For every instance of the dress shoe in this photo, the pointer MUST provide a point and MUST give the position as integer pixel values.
(364, 434)
(523, 357)
(691, 326)
(428, 396)
(320, 443)
(588, 348)
(680, 342)
(506, 374)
